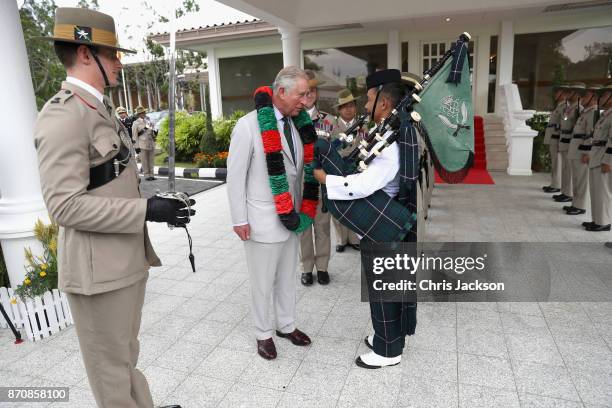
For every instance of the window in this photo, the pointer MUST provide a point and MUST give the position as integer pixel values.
(344, 67)
(404, 57)
(240, 76)
(433, 51)
(492, 74)
(542, 60)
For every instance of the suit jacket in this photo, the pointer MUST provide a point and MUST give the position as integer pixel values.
(143, 135)
(248, 189)
(601, 133)
(103, 243)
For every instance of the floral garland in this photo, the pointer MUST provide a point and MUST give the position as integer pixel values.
(277, 176)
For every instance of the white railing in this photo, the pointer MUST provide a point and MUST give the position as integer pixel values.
(519, 136)
(39, 317)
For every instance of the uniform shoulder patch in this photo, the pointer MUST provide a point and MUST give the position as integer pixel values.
(62, 96)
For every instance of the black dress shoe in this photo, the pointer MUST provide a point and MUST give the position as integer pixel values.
(171, 406)
(323, 277)
(558, 196)
(297, 337)
(587, 223)
(266, 349)
(598, 228)
(307, 279)
(355, 246)
(546, 187)
(575, 211)
(608, 245)
(340, 248)
(563, 199)
(549, 189)
(568, 207)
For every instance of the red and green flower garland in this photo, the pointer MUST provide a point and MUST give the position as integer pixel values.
(276, 167)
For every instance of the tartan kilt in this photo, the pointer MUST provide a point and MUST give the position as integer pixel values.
(378, 217)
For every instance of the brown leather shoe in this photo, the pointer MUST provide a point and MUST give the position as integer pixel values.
(266, 349)
(297, 337)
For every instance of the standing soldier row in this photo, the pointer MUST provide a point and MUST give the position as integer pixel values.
(599, 160)
(579, 139)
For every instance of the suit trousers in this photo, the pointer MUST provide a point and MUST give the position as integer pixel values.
(555, 164)
(316, 253)
(147, 158)
(344, 235)
(107, 326)
(580, 183)
(566, 174)
(272, 268)
(600, 186)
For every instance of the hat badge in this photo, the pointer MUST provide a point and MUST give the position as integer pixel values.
(82, 33)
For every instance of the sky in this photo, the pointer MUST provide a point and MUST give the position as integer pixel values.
(132, 18)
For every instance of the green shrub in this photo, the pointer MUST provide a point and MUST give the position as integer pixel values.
(41, 273)
(187, 134)
(191, 135)
(4, 281)
(223, 129)
(540, 160)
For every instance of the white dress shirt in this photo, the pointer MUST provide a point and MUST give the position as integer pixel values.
(382, 173)
(86, 87)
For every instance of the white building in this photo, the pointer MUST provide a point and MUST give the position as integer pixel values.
(527, 43)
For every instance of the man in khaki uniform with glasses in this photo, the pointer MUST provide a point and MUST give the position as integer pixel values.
(89, 182)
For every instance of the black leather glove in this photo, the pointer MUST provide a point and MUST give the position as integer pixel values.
(171, 211)
(138, 150)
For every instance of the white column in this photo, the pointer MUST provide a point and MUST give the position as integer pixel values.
(214, 83)
(505, 56)
(21, 202)
(414, 56)
(481, 83)
(394, 50)
(149, 100)
(292, 49)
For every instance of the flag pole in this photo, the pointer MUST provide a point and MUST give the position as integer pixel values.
(172, 101)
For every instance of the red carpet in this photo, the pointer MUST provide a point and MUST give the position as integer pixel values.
(478, 174)
(474, 176)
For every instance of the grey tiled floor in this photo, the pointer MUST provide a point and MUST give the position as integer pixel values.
(197, 348)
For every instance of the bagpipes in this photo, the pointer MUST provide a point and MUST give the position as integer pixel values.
(379, 217)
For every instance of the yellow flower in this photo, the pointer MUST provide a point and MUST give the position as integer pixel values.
(43, 266)
(27, 281)
(43, 274)
(13, 300)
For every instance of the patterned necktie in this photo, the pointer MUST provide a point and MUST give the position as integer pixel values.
(288, 137)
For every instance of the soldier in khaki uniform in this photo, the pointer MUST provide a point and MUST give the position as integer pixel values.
(347, 113)
(583, 130)
(600, 160)
(551, 138)
(317, 253)
(144, 134)
(89, 182)
(568, 120)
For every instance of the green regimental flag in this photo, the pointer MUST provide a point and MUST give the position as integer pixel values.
(448, 116)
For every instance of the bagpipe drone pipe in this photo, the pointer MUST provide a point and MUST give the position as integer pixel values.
(379, 217)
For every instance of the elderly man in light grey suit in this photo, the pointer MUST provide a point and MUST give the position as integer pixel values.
(271, 249)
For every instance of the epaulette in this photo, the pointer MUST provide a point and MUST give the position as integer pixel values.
(62, 96)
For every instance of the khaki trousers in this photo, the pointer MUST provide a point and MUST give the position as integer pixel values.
(555, 164)
(272, 268)
(580, 183)
(147, 158)
(344, 235)
(107, 326)
(316, 253)
(566, 174)
(601, 195)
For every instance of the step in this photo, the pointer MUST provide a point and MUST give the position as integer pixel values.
(496, 148)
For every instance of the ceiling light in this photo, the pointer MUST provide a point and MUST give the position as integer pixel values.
(447, 19)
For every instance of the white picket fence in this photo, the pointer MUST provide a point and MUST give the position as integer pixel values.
(40, 317)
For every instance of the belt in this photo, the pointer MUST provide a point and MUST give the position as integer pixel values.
(105, 172)
(585, 148)
(567, 132)
(565, 139)
(599, 143)
(555, 136)
(579, 136)
(609, 150)
(551, 125)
